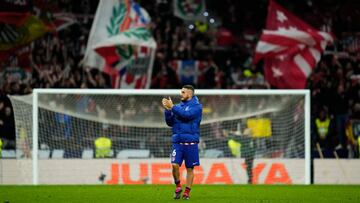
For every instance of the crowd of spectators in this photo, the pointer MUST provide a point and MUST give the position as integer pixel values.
(225, 46)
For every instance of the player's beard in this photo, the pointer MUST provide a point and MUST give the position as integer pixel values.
(184, 98)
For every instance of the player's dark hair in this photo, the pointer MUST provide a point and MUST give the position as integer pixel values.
(190, 87)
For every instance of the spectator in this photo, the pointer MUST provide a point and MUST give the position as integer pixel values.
(353, 132)
(7, 127)
(324, 130)
(340, 108)
(242, 144)
(103, 147)
(63, 125)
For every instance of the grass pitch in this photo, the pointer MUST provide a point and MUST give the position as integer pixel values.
(199, 193)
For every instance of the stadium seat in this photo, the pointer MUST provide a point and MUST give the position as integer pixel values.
(44, 154)
(133, 153)
(58, 154)
(8, 154)
(213, 153)
(87, 154)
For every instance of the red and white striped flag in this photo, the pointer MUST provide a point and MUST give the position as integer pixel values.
(290, 48)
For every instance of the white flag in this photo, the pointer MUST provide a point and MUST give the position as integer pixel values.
(118, 33)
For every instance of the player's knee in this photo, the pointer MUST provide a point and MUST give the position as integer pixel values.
(190, 169)
(175, 166)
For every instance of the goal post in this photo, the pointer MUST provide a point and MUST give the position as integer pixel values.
(70, 120)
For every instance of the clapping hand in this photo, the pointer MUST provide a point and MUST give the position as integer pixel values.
(167, 103)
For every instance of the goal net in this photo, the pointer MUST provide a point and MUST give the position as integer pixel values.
(120, 136)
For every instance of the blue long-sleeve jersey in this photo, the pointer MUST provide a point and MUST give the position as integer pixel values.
(185, 118)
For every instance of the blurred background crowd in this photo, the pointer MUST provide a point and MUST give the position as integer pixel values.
(225, 43)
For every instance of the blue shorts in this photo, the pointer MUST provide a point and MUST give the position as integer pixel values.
(189, 153)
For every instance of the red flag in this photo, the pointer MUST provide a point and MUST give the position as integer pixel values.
(14, 18)
(290, 48)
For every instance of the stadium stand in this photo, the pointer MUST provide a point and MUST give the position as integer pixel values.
(54, 60)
